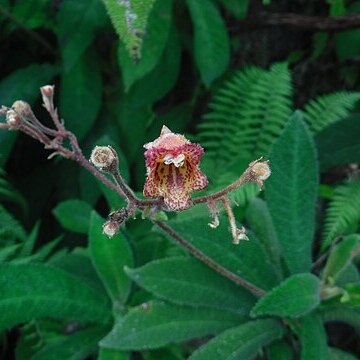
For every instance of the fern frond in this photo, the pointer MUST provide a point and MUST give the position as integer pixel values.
(129, 18)
(247, 114)
(10, 229)
(327, 109)
(342, 212)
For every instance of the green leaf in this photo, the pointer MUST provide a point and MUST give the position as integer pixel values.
(8, 251)
(247, 260)
(33, 291)
(341, 256)
(279, 350)
(337, 354)
(294, 297)
(109, 256)
(22, 84)
(78, 21)
(9, 194)
(153, 48)
(342, 313)
(77, 346)
(240, 343)
(312, 337)
(260, 222)
(342, 213)
(338, 144)
(80, 94)
(130, 21)
(291, 193)
(108, 354)
(10, 228)
(73, 215)
(154, 325)
(237, 8)
(186, 281)
(328, 109)
(211, 40)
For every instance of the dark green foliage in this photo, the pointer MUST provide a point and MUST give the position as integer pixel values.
(227, 75)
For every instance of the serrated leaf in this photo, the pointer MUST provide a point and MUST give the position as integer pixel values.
(108, 354)
(78, 21)
(240, 343)
(338, 144)
(34, 291)
(211, 41)
(10, 228)
(130, 18)
(80, 94)
(291, 193)
(73, 215)
(247, 260)
(312, 337)
(109, 256)
(154, 325)
(342, 212)
(22, 84)
(341, 256)
(153, 47)
(294, 297)
(186, 281)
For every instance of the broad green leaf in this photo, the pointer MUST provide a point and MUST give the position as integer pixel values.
(77, 346)
(279, 350)
(153, 47)
(247, 259)
(339, 143)
(186, 281)
(109, 256)
(312, 337)
(130, 21)
(22, 84)
(291, 193)
(260, 222)
(294, 297)
(341, 256)
(108, 354)
(80, 94)
(337, 354)
(73, 215)
(240, 343)
(211, 41)
(78, 21)
(154, 325)
(34, 291)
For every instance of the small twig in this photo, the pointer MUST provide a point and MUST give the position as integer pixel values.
(209, 262)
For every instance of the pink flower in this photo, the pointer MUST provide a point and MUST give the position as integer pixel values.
(172, 164)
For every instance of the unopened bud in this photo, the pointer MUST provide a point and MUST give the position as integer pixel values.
(104, 157)
(261, 170)
(13, 119)
(47, 93)
(111, 228)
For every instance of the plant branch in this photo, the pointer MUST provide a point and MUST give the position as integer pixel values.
(209, 262)
(304, 22)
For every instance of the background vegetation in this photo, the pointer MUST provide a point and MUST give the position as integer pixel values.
(230, 75)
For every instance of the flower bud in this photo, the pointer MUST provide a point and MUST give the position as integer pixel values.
(111, 228)
(261, 170)
(104, 157)
(47, 93)
(13, 119)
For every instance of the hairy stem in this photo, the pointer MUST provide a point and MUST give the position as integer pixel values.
(209, 262)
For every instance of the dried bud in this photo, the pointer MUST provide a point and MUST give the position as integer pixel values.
(240, 235)
(119, 216)
(47, 93)
(111, 228)
(13, 119)
(104, 157)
